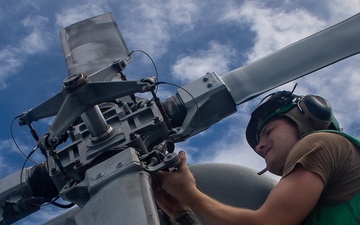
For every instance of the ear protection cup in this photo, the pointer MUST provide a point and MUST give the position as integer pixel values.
(318, 107)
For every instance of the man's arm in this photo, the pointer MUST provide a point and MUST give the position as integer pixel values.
(289, 202)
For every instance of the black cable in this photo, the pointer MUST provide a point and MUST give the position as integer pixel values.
(22, 171)
(13, 138)
(294, 88)
(197, 106)
(61, 205)
(152, 61)
(156, 71)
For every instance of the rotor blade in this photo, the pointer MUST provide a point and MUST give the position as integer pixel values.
(93, 44)
(299, 59)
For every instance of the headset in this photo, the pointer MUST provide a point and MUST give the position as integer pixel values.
(313, 109)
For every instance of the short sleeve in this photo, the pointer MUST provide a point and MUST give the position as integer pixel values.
(326, 154)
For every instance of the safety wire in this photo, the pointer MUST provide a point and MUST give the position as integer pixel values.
(15, 142)
(27, 158)
(151, 59)
(192, 97)
(158, 83)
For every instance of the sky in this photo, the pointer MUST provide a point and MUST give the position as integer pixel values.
(186, 39)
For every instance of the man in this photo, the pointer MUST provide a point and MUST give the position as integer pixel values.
(320, 171)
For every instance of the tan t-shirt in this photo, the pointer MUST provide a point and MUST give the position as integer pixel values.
(334, 158)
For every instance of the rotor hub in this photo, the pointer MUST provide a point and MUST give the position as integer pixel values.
(75, 81)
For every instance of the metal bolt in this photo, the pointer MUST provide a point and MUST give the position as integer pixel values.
(78, 163)
(132, 136)
(53, 171)
(100, 175)
(169, 157)
(156, 119)
(209, 85)
(54, 140)
(205, 79)
(149, 103)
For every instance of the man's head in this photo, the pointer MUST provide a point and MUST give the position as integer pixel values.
(309, 113)
(276, 139)
(279, 122)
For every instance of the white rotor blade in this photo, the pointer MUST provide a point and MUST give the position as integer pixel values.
(294, 61)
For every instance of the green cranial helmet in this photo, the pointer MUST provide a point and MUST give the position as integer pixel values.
(310, 113)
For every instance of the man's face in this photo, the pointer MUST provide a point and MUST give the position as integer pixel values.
(276, 140)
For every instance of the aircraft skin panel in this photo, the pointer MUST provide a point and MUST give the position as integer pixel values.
(231, 184)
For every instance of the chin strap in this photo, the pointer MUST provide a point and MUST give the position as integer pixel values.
(262, 172)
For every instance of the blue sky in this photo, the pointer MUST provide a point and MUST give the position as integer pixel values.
(186, 39)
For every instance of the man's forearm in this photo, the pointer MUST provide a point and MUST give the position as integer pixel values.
(187, 218)
(216, 213)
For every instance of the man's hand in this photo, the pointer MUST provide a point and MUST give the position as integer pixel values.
(172, 189)
(178, 183)
(170, 205)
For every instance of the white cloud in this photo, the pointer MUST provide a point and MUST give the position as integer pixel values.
(3, 166)
(340, 9)
(148, 26)
(232, 147)
(216, 58)
(156, 23)
(36, 41)
(2, 13)
(33, 43)
(174, 12)
(9, 63)
(274, 28)
(182, 13)
(9, 147)
(77, 12)
(34, 22)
